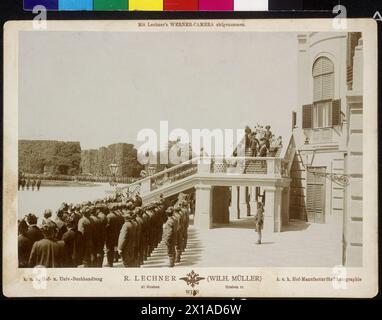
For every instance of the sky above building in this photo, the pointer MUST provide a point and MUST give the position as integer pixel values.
(100, 88)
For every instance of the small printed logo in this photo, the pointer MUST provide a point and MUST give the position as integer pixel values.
(192, 280)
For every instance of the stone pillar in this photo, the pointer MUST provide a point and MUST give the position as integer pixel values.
(272, 209)
(253, 201)
(234, 210)
(203, 206)
(285, 206)
(243, 202)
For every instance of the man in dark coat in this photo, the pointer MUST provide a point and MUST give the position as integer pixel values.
(169, 235)
(61, 223)
(139, 237)
(126, 241)
(48, 252)
(74, 244)
(179, 232)
(33, 183)
(102, 212)
(34, 233)
(112, 233)
(118, 210)
(184, 206)
(24, 245)
(38, 184)
(85, 226)
(99, 228)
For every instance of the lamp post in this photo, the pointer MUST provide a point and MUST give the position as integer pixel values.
(113, 167)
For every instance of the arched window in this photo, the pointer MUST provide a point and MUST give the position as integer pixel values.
(323, 92)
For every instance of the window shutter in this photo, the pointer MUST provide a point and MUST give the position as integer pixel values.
(294, 119)
(307, 116)
(336, 112)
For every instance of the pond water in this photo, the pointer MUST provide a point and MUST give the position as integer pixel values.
(51, 197)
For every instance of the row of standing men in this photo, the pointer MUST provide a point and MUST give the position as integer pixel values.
(81, 235)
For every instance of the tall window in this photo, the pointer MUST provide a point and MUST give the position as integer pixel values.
(323, 92)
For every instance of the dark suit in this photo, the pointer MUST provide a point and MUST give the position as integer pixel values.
(62, 228)
(48, 253)
(24, 250)
(170, 238)
(126, 243)
(85, 226)
(74, 248)
(101, 237)
(112, 233)
(34, 233)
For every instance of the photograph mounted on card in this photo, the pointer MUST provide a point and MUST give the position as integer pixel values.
(196, 158)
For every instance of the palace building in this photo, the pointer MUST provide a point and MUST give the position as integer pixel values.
(326, 175)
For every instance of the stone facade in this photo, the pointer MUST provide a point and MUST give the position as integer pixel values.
(328, 135)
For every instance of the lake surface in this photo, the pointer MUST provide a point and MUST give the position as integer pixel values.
(51, 197)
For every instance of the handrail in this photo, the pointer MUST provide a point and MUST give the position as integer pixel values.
(198, 160)
(161, 173)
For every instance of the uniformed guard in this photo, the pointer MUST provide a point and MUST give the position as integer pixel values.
(102, 212)
(112, 233)
(179, 232)
(138, 238)
(126, 241)
(98, 242)
(118, 208)
(151, 229)
(259, 220)
(85, 226)
(184, 206)
(145, 236)
(169, 235)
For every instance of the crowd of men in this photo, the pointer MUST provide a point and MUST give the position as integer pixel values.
(261, 141)
(32, 184)
(81, 235)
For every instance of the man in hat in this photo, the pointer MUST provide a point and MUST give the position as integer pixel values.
(254, 144)
(139, 236)
(74, 244)
(137, 200)
(60, 221)
(77, 212)
(145, 233)
(126, 241)
(179, 232)
(98, 238)
(85, 227)
(102, 212)
(38, 184)
(118, 209)
(24, 245)
(184, 207)
(169, 235)
(112, 233)
(48, 252)
(34, 233)
(259, 220)
(47, 217)
(247, 132)
(263, 150)
(268, 136)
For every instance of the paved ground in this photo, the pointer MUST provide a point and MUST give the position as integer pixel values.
(299, 245)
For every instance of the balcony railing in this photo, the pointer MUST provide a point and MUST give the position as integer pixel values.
(263, 166)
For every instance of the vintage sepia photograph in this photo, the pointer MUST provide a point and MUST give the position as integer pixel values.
(183, 155)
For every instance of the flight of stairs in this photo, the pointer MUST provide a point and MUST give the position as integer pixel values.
(254, 166)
